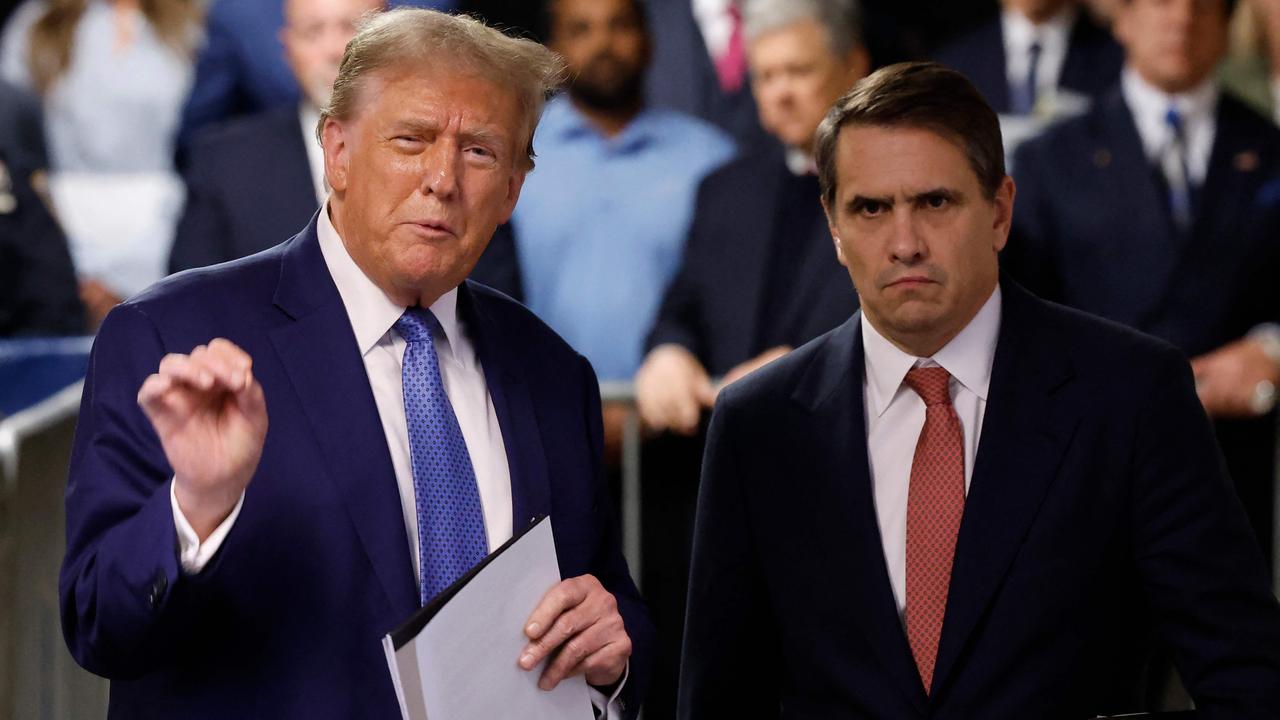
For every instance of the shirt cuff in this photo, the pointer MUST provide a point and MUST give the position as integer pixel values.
(610, 707)
(193, 555)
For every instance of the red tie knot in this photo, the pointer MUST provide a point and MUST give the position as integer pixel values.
(932, 384)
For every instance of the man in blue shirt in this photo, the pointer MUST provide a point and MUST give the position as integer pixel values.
(601, 223)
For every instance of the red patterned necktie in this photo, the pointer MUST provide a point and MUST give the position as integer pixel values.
(731, 65)
(935, 504)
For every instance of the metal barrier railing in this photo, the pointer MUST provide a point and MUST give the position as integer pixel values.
(623, 392)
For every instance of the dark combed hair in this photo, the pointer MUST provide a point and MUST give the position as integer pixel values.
(920, 95)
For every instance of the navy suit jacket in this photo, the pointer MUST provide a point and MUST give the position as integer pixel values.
(287, 619)
(713, 306)
(1092, 230)
(1092, 64)
(1097, 509)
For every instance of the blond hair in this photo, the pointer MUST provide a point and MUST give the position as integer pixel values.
(409, 36)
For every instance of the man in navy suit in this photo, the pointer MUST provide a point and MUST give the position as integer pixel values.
(960, 503)
(1160, 210)
(1036, 49)
(218, 568)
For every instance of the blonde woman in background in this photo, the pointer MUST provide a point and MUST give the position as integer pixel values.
(113, 76)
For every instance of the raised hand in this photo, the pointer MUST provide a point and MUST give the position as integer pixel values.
(211, 416)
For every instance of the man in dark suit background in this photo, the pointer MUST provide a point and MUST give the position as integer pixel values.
(757, 277)
(961, 502)
(1160, 209)
(1034, 50)
(251, 182)
(216, 568)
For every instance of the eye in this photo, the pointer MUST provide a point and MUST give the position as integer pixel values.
(872, 208)
(935, 202)
(407, 142)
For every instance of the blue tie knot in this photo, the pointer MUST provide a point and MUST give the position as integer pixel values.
(416, 324)
(1173, 119)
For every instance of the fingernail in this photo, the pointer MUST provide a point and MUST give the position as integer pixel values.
(545, 684)
(533, 629)
(526, 661)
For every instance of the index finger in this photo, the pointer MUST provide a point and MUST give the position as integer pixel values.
(565, 595)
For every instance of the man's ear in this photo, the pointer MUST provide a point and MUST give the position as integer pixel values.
(337, 153)
(514, 184)
(1003, 202)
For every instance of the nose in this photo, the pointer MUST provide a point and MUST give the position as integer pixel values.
(906, 245)
(440, 169)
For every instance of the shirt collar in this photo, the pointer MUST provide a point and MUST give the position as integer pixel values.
(968, 357)
(371, 311)
(1052, 34)
(1149, 105)
(800, 163)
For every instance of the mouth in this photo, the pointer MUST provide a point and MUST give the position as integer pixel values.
(432, 228)
(911, 281)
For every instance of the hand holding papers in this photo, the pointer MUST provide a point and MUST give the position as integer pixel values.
(456, 658)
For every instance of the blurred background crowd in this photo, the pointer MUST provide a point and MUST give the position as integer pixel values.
(672, 230)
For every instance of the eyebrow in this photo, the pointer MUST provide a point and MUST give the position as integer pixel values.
(857, 202)
(482, 134)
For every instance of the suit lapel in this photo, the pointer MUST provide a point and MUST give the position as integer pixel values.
(831, 390)
(1027, 427)
(1150, 249)
(319, 353)
(509, 390)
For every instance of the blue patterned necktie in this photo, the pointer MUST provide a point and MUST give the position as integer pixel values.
(451, 534)
(1176, 172)
(1024, 95)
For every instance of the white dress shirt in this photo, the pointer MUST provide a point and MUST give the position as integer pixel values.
(1054, 37)
(895, 416)
(1198, 108)
(716, 24)
(372, 316)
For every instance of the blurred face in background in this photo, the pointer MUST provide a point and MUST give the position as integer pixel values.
(606, 48)
(1172, 44)
(315, 34)
(796, 78)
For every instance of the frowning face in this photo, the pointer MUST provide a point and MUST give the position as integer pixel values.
(919, 237)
